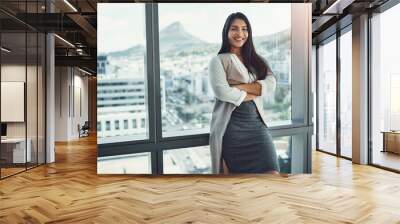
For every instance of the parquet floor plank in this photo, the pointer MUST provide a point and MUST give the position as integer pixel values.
(70, 191)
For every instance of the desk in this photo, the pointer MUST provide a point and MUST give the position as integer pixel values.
(13, 150)
(391, 141)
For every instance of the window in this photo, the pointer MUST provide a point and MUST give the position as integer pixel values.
(108, 126)
(327, 96)
(126, 124)
(385, 87)
(121, 84)
(163, 88)
(138, 163)
(116, 124)
(98, 126)
(346, 94)
(186, 50)
(195, 160)
(134, 123)
(143, 123)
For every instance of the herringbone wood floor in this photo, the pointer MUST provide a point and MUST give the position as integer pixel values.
(70, 191)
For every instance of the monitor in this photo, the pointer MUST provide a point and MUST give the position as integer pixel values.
(3, 129)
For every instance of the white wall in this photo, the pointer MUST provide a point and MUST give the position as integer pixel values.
(80, 109)
(71, 102)
(61, 103)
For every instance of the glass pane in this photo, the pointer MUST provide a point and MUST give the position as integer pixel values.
(32, 88)
(14, 154)
(194, 160)
(187, 44)
(121, 92)
(283, 147)
(327, 97)
(386, 89)
(346, 94)
(138, 163)
(275, 46)
(197, 160)
(32, 100)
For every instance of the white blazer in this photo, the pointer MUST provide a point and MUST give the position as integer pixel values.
(224, 70)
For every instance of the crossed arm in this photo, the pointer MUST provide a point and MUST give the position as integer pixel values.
(252, 89)
(235, 92)
(257, 88)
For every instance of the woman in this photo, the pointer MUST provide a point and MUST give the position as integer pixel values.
(239, 138)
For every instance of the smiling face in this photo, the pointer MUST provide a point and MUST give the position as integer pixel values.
(238, 33)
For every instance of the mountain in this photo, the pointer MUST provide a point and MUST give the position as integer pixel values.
(175, 40)
(175, 37)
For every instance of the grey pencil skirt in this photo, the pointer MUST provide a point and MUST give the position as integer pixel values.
(247, 145)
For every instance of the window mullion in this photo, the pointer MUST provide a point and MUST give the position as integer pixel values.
(153, 84)
(156, 66)
(150, 83)
(152, 80)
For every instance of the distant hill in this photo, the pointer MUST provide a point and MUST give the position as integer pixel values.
(174, 39)
(132, 51)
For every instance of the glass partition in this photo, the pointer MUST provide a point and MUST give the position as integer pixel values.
(327, 97)
(32, 98)
(15, 151)
(22, 88)
(346, 94)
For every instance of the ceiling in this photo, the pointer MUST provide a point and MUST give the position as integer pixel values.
(76, 22)
(76, 40)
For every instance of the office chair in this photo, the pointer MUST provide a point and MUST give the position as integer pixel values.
(84, 130)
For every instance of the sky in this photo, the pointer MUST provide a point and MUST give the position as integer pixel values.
(122, 25)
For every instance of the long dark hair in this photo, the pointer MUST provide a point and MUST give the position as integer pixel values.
(251, 59)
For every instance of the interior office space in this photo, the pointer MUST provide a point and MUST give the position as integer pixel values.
(48, 91)
(336, 66)
(39, 108)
